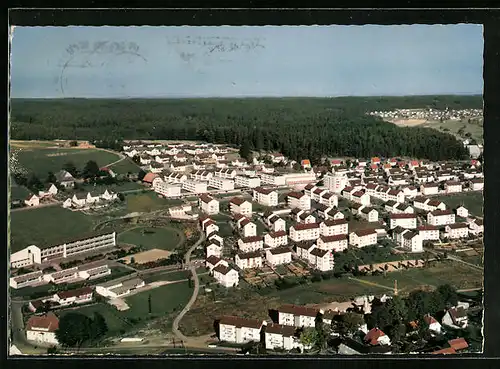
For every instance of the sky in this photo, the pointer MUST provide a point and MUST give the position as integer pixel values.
(155, 62)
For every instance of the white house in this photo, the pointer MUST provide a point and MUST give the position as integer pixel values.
(209, 205)
(276, 223)
(363, 237)
(51, 190)
(32, 200)
(65, 179)
(214, 248)
(224, 184)
(113, 289)
(303, 249)
(226, 173)
(462, 212)
(225, 275)
(253, 243)
(428, 232)
(428, 189)
(412, 242)
(321, 259)
(440, 217)
(476, 226)
(299, 200)
(457, 230)
(276, 239)
(239, 330)
(212, 261)
(194, 186)
(78, 296)
(433, 324)
(281, 337)
(238, 205)
(453, 187)
(376, 337)
(273, 179)
(369, 214)
(247, 181)
(360, 197)
(331, 227)
(248, 228)
(336, 182)
(279, 255)
(297, 316)
(455, 318)
(42, 329)
(210, 227)
(265, 196)
(396, 195)
(202, 175)
(334, 214)
(248, 260)
(304, 232)
(403, 220)
(476, 184)
(337, 243)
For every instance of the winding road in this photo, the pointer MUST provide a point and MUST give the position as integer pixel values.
(192, 268)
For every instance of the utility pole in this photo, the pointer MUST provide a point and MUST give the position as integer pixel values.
(395, 287)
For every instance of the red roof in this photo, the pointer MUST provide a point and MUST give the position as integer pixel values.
(304, 226)
(402, 216)
(305, 162)
(373, 335)
(427, 228)
(277, 234)
(445, 351)
(48, 321)
(251, 239)
(375, 160)
(334, 238)
(458, 344)
(437, 213)
(297, 195)
(148, 178)
(365, 232)
(75, 293)
(237, 200)
(334, 222)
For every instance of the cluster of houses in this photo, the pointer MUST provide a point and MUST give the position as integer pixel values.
(91, 200)
(429, 114)
(284, 329)
(319, 229)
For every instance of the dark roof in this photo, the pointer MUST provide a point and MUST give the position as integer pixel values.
(402, 216)
(297, 195)
(249, 255)
(280, 250)
(302, 227)
(265, 191)
(319, 252)
(212, 259)
(75, 293)
(222, 269)
(251, 239)
(306, 245)
(334, 238)
(237, 200)
(409, 235)
(457, 225)
(441, 212)
(240, 322)
(365, 232)
(284, 330)
(277, 234)
(298, 310)
(334, 222)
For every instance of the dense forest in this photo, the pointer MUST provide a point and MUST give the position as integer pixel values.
(298, 127)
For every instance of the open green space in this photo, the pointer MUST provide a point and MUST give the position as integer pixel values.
(116, 323)
(116, 188)
(41, 161)
(18, 192)
(164, 300)
(472, 200)
(152, 238)
(173, 276)
(462, 129)
(46, 226)
(225, 230)
(125, 166)
(147, 202)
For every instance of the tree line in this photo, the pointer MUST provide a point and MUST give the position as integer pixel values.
(297, 127)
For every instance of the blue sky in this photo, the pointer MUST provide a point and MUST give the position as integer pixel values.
(53, 62)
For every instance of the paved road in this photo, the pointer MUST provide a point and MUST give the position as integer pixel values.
(192, 268)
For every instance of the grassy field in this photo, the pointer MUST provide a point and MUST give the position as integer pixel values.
(125, 166)
(164, 300)
(114, 320)
(161, 238)
(453, 126)
(173, 276)
(473, 201)
(46, 226)
(43, 160)
(146, 202)
(18, 192)
(119, 187)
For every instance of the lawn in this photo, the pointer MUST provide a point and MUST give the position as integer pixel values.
(173, 276)
(164, 300)
(18, 192)
(125, 166)
(473, 201)
(114, 320)
(225, 230)
(46, 226)
(116, 188)
(41, 161)
(146, 202)
(159, 238)
(455, 274)
(453, 126)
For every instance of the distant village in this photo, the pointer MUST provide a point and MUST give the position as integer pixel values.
(430, 114)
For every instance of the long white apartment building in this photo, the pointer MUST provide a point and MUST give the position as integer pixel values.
(167, 189)
(247, 181)
(273, 179)
(194, 186)
(220, 183)
(37, 254)
(297, 179)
